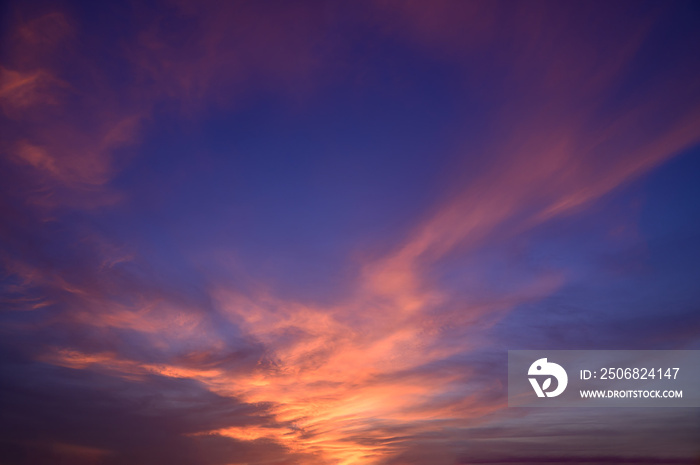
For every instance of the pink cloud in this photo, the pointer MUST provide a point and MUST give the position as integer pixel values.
(339, 378)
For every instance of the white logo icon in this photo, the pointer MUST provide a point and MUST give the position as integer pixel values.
(542, 367)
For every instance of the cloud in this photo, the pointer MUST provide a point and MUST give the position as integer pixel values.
(73, 123)
(152, 365)
(60, 414)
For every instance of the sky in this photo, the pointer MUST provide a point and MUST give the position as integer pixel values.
(309, 232)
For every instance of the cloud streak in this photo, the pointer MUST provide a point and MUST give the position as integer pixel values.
(152, 351)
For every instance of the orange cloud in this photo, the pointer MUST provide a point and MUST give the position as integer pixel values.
(340, 377)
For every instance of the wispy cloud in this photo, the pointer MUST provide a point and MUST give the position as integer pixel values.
(402, 365)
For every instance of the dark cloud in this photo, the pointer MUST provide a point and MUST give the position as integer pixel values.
(60, 415)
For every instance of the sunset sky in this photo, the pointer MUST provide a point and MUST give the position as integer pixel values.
(280, 233)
